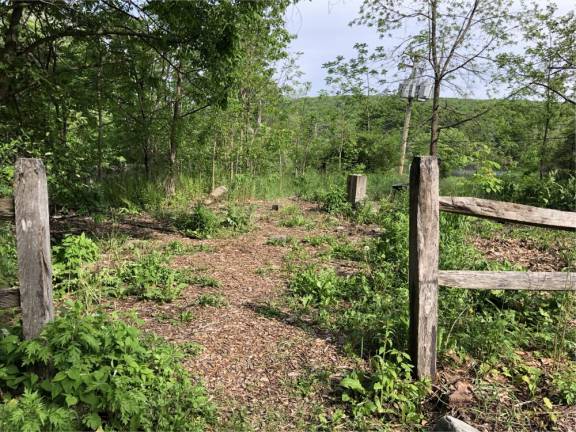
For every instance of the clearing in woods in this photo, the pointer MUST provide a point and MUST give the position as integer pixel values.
(266, 368)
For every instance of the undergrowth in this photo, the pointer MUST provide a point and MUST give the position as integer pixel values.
(368, 311)
(147, 275)
(92, 371)
(202, 222)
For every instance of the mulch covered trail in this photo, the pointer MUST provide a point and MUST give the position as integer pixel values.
(523, 252)
(252, 352)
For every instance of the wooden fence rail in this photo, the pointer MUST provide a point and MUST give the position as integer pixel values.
(30, 214)
(509, 212)
(424, 275)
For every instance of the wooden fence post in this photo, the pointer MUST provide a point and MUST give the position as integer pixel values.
(356, 188)
(33, 245)
(423, 264)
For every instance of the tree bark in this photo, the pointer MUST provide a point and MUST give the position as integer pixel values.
(435, 122)
(100, 116)
(174, 133)
(405, 130)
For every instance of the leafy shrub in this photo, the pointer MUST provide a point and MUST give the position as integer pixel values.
(74, 251)
(363, 213)
(8, 257)
(98, 372)
(150, 278)
(485, 178)
(388, 390)
(334, 201)
(201, 223)
(315, 286)
(238, 218)
(564, 383)
(70, 259)
(30, 413)
(550, 191)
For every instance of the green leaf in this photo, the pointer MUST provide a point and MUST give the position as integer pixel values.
(71, 400)
(353, 383)
(59, 376)
(92, 420)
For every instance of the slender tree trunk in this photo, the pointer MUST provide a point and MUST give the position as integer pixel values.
(146, 151)
(340, 150)
(435, 122)
(368, 126)
(405, 131)
(281, 173)
(174, 133)
(546, 124)
(64, 130)
(100, 116)
(214, 164)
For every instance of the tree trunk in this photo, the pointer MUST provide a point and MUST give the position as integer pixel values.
(435, 122)
(214, 164)
(100, 119)
(340, 150)
(405, 130)
(174, 133)
(546, 125)
(146, 149)
(368, 126)
(10, 47)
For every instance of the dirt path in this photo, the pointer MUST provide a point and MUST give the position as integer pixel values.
(253, 354)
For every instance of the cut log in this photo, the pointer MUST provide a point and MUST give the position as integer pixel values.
(533, 281)
(509, 212)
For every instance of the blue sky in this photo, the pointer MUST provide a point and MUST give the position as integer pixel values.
(323, 33)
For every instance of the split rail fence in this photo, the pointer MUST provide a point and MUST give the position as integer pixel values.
(424, 237)
(29, 211)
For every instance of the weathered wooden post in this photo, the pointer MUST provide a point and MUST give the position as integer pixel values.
(423, 264)
(33, 245)
(356, 188)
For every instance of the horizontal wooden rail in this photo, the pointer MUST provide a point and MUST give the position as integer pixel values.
(7, 208)
(533, 281)
(509, 212)
(9, 298)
